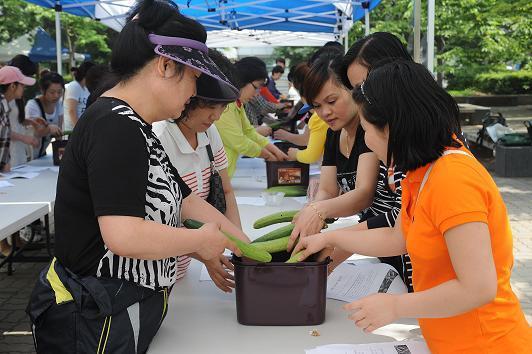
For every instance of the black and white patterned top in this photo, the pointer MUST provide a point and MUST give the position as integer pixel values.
(114, 165)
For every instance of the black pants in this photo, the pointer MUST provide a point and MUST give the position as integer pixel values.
(102, 316)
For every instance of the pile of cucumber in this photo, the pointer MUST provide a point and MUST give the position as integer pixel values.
(289, 191)
(261, 249)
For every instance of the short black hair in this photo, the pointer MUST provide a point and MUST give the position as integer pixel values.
(80, 72)
(371, 49)
(297, 77)
(132, 49)
(280, 60)
(277, 69)
(421, 116)
(50, 78)
(95, 76)
(321, 71)
(250, 69)
(24, 63)
(328, 51)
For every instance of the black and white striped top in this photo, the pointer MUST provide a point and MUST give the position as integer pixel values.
(386, 205)
(114, 165)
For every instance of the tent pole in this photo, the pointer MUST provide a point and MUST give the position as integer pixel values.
(58, 9)
(366, 21)
(430, 36)
(417, 31)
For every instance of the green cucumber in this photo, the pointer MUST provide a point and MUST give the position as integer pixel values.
(275, 234)
(289, 191)
(295, 258)
(276, 218)
(273, 246)
(67, 132)
(247, 250)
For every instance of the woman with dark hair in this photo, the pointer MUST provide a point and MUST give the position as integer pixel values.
(453, 222)
(76, 95)
(349, 168)
(237, 133)
(47, 108)
(120, 202)
(353, 69)
(195, 148)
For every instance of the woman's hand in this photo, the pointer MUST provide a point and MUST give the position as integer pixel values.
(279, 155)
(267, 155)
(307, 222)
(374, 311)
(292, 154)
(55, 130)
(264, 130)
(214, 243)
(281, 134)
(310, 245)
(218, 271)
(31, 140)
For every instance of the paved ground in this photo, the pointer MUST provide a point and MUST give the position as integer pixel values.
(517, 193)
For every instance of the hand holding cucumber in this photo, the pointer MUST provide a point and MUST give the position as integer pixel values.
(309, 245)
(214, 242)
(308, 221)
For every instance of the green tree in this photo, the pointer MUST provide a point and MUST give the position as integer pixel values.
(79, 34)
(294, 55)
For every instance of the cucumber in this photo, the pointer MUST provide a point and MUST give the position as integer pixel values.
(275, 234)
(295, 258)
(67, 132)
(289, 191)
(273, 246)
(282, 216)
(247, 250)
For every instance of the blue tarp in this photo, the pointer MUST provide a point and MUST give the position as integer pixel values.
(275, 15)
(43, 47)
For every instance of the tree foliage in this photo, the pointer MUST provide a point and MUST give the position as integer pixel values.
(78, 34)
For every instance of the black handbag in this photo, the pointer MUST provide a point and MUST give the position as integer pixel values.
(216, 196)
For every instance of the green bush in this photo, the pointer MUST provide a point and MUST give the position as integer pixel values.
(506, 82)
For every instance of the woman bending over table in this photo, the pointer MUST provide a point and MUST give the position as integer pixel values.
(453, 222)
(349, 180)
(120, 201)
(195, 148)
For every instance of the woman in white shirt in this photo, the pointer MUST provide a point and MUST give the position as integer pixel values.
(47, 110)
(186, 141)
(76, 96)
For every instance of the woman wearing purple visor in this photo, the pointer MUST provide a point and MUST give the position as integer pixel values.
(120, 201)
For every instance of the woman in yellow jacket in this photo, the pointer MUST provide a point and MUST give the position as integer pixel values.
(238, 135)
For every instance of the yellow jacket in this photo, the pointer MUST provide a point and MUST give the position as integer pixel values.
(238, 135)
(316, 142)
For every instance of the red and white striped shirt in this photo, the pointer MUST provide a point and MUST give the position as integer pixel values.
(194, 166)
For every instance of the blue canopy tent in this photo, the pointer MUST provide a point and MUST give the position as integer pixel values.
(44, 47)
(224, 18)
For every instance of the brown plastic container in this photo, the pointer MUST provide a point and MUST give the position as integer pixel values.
(280, 294)
(58, 149)
(286, 173)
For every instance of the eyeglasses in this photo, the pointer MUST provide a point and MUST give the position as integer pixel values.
(364, 93)
(258, 87)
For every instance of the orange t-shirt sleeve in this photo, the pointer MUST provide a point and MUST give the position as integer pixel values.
(459, 196)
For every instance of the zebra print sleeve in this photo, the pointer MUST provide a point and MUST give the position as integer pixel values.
(394, 190)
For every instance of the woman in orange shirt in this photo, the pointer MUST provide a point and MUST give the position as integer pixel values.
(453, 222)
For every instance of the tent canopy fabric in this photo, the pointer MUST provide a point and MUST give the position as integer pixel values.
(43, 47)
(319, 16)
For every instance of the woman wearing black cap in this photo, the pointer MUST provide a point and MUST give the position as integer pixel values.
(120, 201)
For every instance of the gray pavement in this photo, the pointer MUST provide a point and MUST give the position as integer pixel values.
(517, 193)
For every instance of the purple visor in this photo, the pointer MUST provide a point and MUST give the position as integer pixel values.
(213, 84)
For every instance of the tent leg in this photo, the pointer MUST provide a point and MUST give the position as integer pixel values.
(366, 21)
(417, 31)
(430, 36)
(58, 10)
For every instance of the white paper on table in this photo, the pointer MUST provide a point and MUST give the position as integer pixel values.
(301, 200)
(29, 169)
(257, 201)
(14, 174)
(4, 184)
(54, 169)
(350, 282)
(404, 347)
